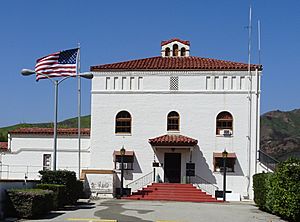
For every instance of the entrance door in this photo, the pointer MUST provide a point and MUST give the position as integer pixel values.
(172, 167)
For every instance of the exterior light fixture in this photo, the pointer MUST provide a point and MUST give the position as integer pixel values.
(122, 152)
(224, 155)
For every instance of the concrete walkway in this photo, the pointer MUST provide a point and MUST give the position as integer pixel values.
(162, 211)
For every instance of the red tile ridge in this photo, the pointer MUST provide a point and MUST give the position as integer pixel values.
(173, 139)
(49, 131)
(3, 146)
(165, 42)
(176, 63)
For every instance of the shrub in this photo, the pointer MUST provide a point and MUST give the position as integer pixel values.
(283, 197)
(260, 182)
(59, 192)
(62, 177)
(31, 203)
(78, 189)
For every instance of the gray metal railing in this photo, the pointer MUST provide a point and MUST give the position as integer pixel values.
(141, 182)
(204, 184)
(267, 160)
(19, 171)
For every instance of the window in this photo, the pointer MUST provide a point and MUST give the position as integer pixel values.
(47, 162)
(128, 160)
(175, 50)
(173, 121)
(182, 51)
(123, 122)
(224, 123)
(167, 51)
(174, 83)
(219, 164)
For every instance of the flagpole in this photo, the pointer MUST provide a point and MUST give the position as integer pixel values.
(79, 112)
(55, 124)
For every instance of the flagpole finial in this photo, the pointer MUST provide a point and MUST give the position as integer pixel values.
(78, 44)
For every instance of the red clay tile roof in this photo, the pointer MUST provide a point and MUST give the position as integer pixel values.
(175, 63)
(49, 131)
(229, 155)
(3, 146)
(177, 140)
(127, 153)
(175, 39)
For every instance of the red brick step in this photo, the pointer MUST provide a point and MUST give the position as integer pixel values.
(172, 192)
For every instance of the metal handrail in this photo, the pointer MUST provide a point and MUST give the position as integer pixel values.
(141, 182)
(204, 185)
(267, 160)
(19, 171)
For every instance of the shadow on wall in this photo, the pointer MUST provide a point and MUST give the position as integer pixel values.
(136, 166)
(202, 168)
(237, 169)
(128, 174)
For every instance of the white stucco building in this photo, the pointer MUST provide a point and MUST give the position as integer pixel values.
(30, 150)
(169, 112)
(174, 109)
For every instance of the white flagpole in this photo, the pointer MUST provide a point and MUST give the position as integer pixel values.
(79, 112)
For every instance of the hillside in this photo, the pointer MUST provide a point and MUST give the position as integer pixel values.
(280, 132)
(68, 123)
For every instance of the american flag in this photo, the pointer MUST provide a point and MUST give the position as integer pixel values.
(58, 64)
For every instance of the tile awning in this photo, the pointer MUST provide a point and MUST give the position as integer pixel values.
(219, 155)
(128, 157)
(173, 139)
(127, 153)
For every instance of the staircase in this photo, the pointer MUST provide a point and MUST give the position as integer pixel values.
(171, 192)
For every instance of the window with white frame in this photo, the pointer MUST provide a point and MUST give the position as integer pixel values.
(173, 121)
(219, 164)
(47, 162)
(128, 160)
(224, 123)
(123, 122)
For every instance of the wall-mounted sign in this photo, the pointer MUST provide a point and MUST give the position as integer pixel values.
(190, 169)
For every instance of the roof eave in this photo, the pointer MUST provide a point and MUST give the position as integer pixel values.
(145, 70)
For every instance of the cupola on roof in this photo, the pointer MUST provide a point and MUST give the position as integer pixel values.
(175, 48)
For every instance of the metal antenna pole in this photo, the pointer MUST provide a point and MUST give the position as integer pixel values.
(250, 98)
(55, 124)
(79, 111)
(257, 99)
(258, 31)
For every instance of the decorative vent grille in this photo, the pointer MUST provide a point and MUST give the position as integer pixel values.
(174, 83)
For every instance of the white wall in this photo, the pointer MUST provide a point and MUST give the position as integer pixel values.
(198, 107)
(27, 152)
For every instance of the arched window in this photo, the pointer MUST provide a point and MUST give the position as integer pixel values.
(182, 51)
(123, 122)
(175, 50)
(173, 121)
(167, 51)
(224, 124)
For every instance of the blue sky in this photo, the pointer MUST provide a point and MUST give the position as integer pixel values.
(112, 31)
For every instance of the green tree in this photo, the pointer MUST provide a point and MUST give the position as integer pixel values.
(283, 196)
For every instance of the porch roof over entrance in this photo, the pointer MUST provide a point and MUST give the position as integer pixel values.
(173, 139)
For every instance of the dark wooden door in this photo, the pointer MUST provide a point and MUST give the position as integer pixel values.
(172, 167)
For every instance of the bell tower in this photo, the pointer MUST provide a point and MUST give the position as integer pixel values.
(175, 48)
